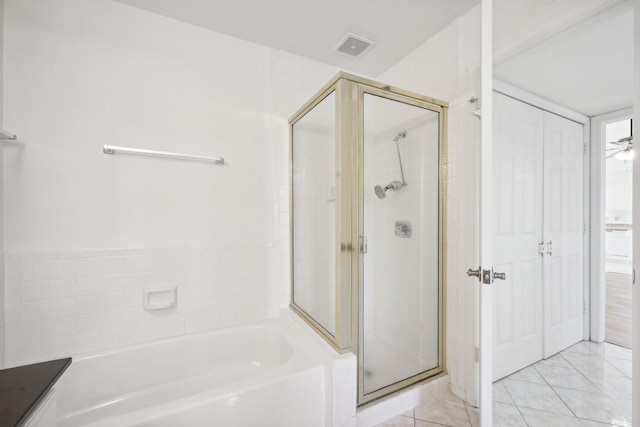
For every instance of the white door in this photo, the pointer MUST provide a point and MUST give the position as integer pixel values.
(563, 233)
(517, 231)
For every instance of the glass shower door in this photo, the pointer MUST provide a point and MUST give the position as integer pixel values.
(401, 301)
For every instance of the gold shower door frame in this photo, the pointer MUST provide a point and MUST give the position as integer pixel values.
(349, 219)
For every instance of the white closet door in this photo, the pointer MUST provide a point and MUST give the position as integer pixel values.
(563, 227)
(517, 195)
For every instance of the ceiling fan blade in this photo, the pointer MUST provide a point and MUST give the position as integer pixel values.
(628, 140)
(615, 152)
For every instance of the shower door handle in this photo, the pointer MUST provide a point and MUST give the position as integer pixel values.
(363, 245)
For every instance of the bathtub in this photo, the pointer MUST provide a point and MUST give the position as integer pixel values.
(261, 374)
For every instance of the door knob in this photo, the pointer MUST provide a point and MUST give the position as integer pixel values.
(499, 276)
(475, 273)
(364, 248)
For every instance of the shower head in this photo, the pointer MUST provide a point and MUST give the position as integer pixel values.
(400, 135)
(382, 192)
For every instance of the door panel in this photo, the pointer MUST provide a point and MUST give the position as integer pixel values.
(517, 188)
(401, 282)
(563, 220)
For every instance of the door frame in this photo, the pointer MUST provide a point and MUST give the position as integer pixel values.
(511, 91)
(636, 219)
(484, 294)
(598, 207)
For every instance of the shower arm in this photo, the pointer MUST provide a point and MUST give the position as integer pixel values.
(404, 184)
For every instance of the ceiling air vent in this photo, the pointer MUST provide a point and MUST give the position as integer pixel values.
(354, 45)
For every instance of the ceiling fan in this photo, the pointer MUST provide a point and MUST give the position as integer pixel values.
(624, 149)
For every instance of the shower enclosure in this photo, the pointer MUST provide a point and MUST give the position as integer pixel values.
(368, 182)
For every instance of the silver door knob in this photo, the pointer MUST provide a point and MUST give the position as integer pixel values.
(475, 273)
(499, 276)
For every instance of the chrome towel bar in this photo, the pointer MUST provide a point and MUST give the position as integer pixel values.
(113, 149)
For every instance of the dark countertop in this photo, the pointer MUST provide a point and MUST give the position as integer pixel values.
(618, 226)
(23, 387)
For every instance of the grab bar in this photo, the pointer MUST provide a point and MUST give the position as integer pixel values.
(113, 149)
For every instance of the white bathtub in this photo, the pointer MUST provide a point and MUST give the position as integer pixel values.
(262, 374)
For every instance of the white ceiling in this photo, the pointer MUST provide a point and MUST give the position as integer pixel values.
(588, 68)
(313, 28)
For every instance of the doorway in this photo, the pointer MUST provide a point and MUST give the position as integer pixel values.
(618, 145)
(554, 70)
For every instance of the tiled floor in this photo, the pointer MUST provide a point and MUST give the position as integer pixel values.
(446, 410)
(588, 384)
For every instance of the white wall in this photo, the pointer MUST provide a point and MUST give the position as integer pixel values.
(619, 174)
(619, 190)
(77, 81)
(447, 67)
(619, 196)
(85, 233)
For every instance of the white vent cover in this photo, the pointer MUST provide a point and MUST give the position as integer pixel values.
(353, 45)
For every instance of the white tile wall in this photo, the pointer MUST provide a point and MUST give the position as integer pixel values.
(66, 303)
(63, 195)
